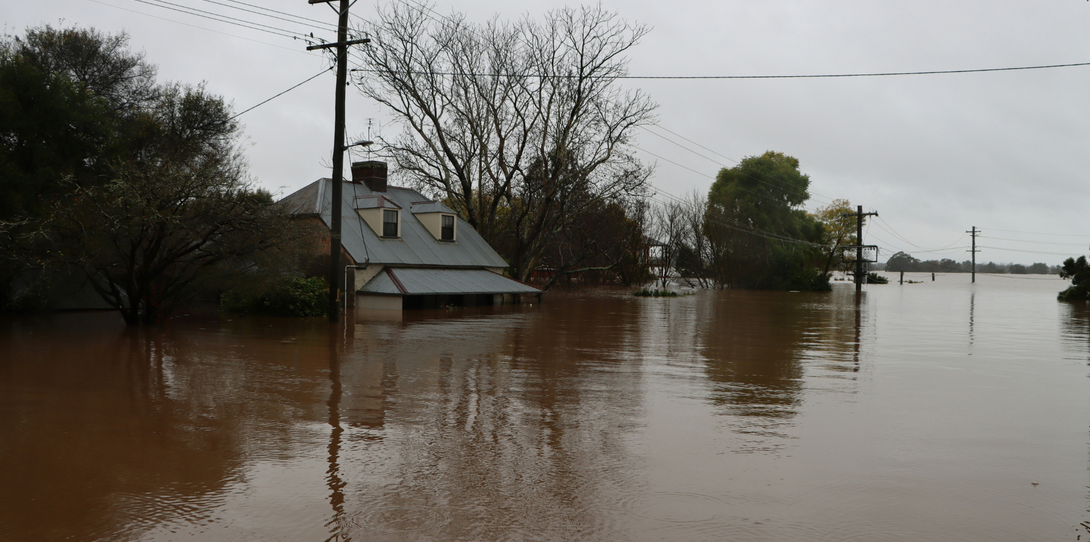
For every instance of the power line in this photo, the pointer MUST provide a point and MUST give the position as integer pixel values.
(428, 11)
(727, 222)
(798, 76)
(258, 13)
(893, 248)
(223, 18)
(729, 159)
(1028, 251)
(309, 79)
(1014, 276)
(1033, 241)
(701, 173)
(758, 194)
(293, 49)
(1040, 233)
(298, 17)
(844, 75)
(902, 238)
(765, 180)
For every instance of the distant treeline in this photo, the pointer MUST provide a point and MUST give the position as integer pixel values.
(904, 262)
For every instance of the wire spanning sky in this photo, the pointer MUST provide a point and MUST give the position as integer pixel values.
(935, 154)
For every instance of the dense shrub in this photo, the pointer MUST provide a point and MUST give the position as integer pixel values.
(1078, 272)
(286, 297)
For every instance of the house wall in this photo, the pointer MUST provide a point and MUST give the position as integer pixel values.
(378, 302)
(318, 264)
(363, 276)
(517, 299)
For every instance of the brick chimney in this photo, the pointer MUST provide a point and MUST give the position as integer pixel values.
(371, 173)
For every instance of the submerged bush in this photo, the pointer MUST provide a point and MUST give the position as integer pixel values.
(807, 279)
(655, 293)
(286, 297)
(875, 278)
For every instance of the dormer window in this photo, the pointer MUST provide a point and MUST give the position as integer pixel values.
(448, 228)
(381, 214)
(440, 221)
(389, 223)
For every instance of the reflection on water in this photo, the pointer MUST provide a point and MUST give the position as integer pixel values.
(752, 346)
(595, 416)
(756, 346)
(1076, 327)
(972, 316)
(333, 478)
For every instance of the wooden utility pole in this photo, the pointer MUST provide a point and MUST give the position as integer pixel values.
(859, 276)
(974, 232)
(338, 155)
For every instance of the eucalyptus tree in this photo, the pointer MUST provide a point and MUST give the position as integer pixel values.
(519, 126)
(761, 237)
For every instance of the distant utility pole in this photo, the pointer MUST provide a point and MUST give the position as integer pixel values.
(338, 155)
(859, 275)
(974, 232)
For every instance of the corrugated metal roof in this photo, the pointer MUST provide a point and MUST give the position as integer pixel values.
(422, 281)
(374, 202)
(305, 200)
(421, 207)
(415, 247)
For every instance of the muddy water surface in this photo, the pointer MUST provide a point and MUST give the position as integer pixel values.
(934, 411)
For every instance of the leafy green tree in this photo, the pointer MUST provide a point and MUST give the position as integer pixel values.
(71, 101)
(1078, 271)
(1038, 268)
(760, 236)
(903, 262)
(49, 130)
(97, 63)
(165, 204)
(182, 206)
(840, 231)
(947, 265)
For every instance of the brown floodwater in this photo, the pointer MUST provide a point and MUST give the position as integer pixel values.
(943, 411)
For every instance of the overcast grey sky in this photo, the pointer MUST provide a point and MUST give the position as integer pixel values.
(934, 155)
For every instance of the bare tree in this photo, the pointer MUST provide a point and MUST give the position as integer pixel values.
(685, 252)
(668, 231)
(604, 244)
(519, 126)
(697, 261)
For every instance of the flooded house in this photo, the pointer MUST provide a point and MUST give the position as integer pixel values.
(403, 250)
